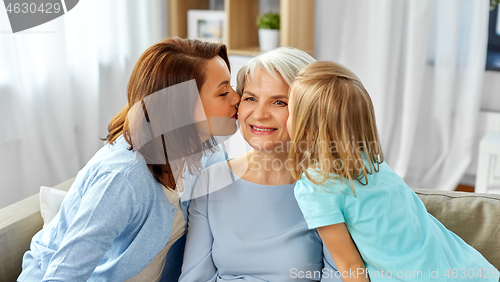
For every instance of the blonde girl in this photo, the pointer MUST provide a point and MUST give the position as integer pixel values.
(374, 226)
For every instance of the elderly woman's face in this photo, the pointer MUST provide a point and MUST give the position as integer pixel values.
(263, 111)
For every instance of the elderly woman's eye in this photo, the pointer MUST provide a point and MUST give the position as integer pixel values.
(281, 103)
(250, 99)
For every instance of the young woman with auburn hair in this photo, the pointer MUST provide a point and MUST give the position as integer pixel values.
(122, 214)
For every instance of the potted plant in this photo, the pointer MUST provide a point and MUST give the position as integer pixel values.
(269, 30)
(494, 3)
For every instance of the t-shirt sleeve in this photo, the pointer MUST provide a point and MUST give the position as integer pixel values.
(320, 205)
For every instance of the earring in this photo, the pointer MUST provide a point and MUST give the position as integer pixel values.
(237, 106)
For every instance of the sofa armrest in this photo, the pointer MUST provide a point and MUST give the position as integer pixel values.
(473, 217)
(18, 223)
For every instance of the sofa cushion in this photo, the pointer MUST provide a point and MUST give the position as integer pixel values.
(18, 223)
(473, 217)
(50, 203)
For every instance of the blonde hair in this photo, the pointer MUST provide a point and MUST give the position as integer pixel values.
(333, 110)
(282, 61)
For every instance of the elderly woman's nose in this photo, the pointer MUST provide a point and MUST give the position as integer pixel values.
(261, 111)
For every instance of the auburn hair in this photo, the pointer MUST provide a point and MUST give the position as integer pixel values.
(334, 128)
(167, 63)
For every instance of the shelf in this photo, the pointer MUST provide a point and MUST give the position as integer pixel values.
(297, 24)
(178, 15)
(248, 51)
(240, 31)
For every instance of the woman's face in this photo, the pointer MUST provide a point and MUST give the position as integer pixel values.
(263, 111)
(218, 102)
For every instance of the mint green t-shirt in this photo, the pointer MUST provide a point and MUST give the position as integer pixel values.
(395, 235)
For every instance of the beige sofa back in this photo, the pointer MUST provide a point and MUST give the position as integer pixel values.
(473, 217)
(18, 223)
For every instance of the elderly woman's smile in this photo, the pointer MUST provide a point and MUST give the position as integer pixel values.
(261, 129)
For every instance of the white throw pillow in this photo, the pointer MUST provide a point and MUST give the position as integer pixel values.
(50, 203)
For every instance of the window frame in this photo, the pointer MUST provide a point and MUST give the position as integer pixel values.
(493, 53)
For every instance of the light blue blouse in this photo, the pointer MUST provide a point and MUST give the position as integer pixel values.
(244, 231)
(173, 263)
(114, 220)
(392, 229)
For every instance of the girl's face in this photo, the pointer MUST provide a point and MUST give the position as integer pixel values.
(263, 112)
(216, 114)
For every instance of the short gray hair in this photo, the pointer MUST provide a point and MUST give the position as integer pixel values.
(285, 61)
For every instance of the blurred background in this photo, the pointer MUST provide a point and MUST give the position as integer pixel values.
(422, 61)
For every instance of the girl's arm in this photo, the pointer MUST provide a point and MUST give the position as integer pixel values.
(329, 268)
(339, 243)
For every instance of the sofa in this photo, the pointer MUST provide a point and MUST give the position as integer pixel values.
(473, 217)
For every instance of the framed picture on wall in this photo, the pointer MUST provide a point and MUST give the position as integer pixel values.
(206, 25)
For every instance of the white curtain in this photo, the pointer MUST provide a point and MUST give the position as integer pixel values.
(422, 61)
(61, 83)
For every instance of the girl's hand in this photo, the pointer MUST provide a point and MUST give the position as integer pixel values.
(339, 243)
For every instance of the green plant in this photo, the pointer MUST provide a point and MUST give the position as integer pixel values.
(493, 3)
(269, 21)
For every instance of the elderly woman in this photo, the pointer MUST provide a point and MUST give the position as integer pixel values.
(244, 222)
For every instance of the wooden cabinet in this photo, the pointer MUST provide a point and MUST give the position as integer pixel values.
(241, 33)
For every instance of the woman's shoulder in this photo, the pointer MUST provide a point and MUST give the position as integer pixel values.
(241, 160)
(216, 173)
(212, 179)
(116, 163)
(217, 156)
(118, 158)
(215, 167)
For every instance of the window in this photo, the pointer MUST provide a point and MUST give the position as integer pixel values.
(493, 55)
